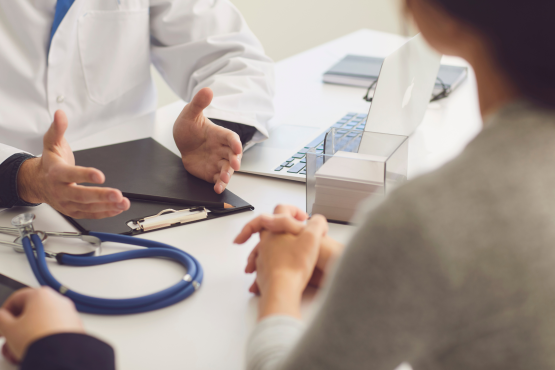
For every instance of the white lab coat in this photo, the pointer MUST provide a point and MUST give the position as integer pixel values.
(98, 68)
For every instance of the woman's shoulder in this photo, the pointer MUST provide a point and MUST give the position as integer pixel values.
(510, 158)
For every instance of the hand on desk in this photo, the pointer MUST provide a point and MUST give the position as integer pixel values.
(208, 151)
(53, 179)
(290, 256)
(31, 314)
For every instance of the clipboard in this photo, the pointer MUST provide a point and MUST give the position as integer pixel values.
(140, 210)
(158, 186)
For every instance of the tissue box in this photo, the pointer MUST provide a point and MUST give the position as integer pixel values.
(338, 180)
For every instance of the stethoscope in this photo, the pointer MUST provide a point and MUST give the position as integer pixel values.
(31, 243)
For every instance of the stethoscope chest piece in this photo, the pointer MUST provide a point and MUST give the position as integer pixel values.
(24, 224)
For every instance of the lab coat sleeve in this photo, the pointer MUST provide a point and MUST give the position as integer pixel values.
(206, 43)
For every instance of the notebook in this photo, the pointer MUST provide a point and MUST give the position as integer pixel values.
(361, 71)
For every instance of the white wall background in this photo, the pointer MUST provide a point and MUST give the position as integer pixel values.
(288, 27)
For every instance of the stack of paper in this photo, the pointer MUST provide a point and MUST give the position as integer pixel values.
(345, 180)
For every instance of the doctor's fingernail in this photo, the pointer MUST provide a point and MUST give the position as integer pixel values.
(113, 197)
(96, 178)
(121, 205)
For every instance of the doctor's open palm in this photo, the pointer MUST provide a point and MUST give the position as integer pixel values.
(53, 179)
(208, 151)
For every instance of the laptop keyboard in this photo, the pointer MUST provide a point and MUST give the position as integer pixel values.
(347, 137)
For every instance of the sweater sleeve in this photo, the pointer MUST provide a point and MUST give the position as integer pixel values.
(380, 310)
(69, 351)
(271, 341)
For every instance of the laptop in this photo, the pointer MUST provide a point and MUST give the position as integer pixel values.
(405, 84)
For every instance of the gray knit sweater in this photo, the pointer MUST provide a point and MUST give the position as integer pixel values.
(455, 270)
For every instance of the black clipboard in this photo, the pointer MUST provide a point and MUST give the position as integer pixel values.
(154, 180)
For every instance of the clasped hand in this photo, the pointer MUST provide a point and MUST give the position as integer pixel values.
(31, 314)
(208, 151)
(289, 256)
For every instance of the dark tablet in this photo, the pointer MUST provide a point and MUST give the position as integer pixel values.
(7, 287)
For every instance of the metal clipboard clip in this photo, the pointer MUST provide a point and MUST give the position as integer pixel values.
(168, 217)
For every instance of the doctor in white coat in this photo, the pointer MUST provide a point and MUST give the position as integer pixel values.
(69, 68)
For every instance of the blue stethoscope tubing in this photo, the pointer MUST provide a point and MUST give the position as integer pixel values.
(101, 306)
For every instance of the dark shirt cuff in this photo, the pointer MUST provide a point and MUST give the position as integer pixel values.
(245, 132)
(8, 181)
(69, 351)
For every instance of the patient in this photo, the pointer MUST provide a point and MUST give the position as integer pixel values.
(456, 269)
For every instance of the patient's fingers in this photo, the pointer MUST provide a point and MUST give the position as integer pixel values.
(252, 227)
(254, 288)
(8, 355)
(287, 209)
(251, 261)
(281, 223)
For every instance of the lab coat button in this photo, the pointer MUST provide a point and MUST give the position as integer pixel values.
(61, 99)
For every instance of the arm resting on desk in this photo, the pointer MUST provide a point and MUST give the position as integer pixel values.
(384, 295)
(69, 351)
(271, 341)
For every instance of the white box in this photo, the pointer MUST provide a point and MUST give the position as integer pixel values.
(338, 181)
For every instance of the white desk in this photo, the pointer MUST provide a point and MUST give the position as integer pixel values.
(209, 330)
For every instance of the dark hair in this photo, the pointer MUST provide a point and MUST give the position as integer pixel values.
(522, 35)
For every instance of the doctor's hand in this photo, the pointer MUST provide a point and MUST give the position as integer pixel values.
(30, 314)
(208, 151)
(53, 179)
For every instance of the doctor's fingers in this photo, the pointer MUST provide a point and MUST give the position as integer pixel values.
(85, 194)
(226, 153)
(223, 177)
(70, 174)
(91, 215)
(198, 104)
(99, 207)
(57, 129)
(230, 139)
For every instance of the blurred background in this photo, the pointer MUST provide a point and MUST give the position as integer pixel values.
(288, 27)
